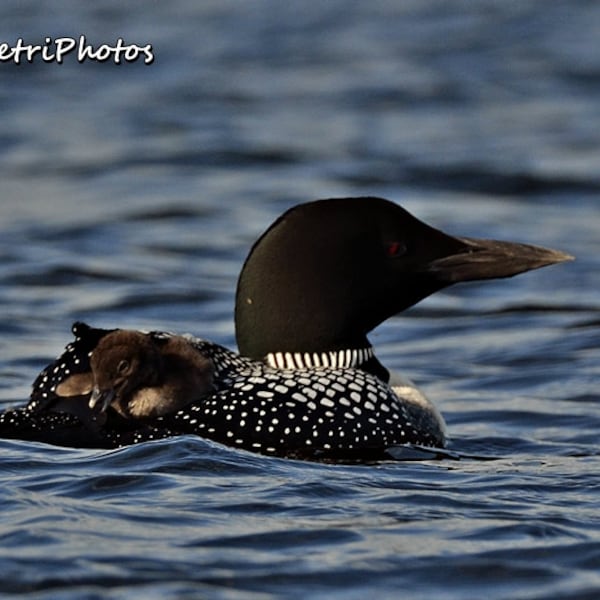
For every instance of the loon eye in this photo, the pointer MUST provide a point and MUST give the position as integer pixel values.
(395, 249)
(123, 367)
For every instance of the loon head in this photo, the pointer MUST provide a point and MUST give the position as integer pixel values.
(327, 272)
(122, 363)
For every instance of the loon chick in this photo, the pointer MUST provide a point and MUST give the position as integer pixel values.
(327, 272)
(141, 376)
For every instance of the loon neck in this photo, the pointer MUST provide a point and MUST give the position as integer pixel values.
(356, 358)
(342, 359)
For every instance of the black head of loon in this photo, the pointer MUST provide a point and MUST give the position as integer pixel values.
(327, 272)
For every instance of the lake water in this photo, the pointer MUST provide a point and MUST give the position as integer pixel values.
(130, 195)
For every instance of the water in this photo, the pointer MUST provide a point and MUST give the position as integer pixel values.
(130, 196)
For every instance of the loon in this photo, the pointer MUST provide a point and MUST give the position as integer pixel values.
(306, 383)
(140, 376)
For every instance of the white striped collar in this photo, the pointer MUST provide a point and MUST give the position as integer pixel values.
(340, 359)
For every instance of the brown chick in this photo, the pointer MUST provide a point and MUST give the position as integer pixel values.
(141, 377)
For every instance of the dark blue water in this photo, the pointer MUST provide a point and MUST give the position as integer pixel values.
(129, 196)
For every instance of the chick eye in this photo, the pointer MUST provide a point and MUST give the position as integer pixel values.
(123, 366)
(395, 249)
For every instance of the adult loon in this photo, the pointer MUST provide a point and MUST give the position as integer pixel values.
(308, 384)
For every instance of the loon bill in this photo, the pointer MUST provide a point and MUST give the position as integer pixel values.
(308, 384)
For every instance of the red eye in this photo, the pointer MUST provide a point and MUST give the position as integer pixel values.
(395, 249)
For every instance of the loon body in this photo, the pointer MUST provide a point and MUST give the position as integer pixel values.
(319, 413)
(307, 383)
